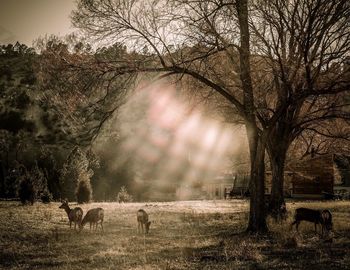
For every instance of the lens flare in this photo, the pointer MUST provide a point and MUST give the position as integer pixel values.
(172, 143)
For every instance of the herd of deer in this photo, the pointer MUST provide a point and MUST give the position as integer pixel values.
(96, 215)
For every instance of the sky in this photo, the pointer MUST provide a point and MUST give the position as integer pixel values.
(26, 20)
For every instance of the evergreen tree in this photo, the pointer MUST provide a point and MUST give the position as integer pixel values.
(84, 190)
(75, 169)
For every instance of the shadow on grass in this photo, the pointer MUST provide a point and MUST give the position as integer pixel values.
(243, 250)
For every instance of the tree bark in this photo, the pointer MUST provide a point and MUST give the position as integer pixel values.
(257, 142)
(257, 214)
(277, 153)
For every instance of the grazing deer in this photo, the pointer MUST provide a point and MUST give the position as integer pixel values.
(323, 217)
(93, 216)
(74, 215)
(142, 219)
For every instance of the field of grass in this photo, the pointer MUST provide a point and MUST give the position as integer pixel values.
(183, 235)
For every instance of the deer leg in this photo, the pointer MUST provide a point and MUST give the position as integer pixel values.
(297, 225)
(70, 224)
(90, 226)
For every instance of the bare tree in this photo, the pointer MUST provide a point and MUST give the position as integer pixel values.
(188, 38)
(305, 46)
(322, 139)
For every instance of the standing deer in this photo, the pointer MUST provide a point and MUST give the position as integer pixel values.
(93, 216)
(323, 217)
(142, 219)
(74, 215)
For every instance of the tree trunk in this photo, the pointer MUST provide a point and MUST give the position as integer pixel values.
(257, 213)
(277, 161)
(257, 142)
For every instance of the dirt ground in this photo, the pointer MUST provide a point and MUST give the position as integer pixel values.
(183, 235)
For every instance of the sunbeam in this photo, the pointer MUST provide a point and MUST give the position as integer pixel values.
(172, 143)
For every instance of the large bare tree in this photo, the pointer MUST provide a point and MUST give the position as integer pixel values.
(188, 38)
(305, 45)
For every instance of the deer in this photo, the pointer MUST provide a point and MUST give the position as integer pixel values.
(323, 217)
(93, 216)
(74, 215)
(142, 220)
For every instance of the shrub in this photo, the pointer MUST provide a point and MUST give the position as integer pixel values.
(83, 191)
(26, 191)
(123, 195)
(29, 78)
(46, 196)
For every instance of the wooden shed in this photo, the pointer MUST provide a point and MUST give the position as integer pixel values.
(312, 177)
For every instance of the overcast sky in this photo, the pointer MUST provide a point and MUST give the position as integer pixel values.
(26, 20)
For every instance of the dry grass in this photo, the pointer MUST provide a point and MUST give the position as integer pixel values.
(183, 235)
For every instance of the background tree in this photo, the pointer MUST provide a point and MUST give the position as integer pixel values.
(75, 169)
(83, 191)
(39, 182)
(123, 195)
(27, 125)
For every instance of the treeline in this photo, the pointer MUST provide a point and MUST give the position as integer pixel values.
(39, 159)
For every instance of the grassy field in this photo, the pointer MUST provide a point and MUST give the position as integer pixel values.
(183, 235)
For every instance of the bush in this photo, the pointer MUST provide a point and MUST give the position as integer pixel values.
(29, 78)
(83, 191)
(123, 195)
(46, 196)
(26, 191)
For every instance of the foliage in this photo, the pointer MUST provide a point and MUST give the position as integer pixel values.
(76, 173)
(32, 184)
(46, 196)
(71, 91)
(75, 163)
(123, 195)
(29, 79)
(38, 179)
(84, 190)
(26, 191)
(50, 161)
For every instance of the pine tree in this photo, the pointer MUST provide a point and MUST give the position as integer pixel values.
(84, 190)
